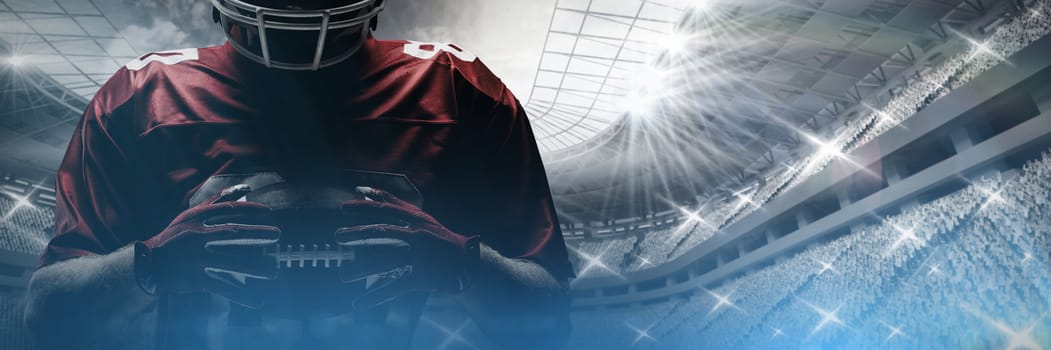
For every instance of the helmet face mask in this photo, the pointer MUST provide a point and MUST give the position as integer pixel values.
(296, 38)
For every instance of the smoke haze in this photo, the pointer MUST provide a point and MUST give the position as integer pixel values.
(508, 35)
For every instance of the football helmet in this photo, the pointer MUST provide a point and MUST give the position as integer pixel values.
(297, 35)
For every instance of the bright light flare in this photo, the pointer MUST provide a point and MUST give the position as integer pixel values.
(700, 6)
(692, 218)
(933, 269)
(992, 197)
(640, 333)
(825, 266)
(452, 336)
(675, 42)
(828, 149)
(645, 262)
(640, 104)
(979, 47)
(743, 199)
(827, 317)
(825, 151)
(1016, 338)
(20, 202)
(894, 331)
(646, 94)
(592, 262)
(904, 234)
(15, 60)
(720, 301)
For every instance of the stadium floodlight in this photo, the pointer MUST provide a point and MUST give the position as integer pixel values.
(675, 42)
(15, 60)
(828, 149)
(700, 5)
(640, 104)
(824, 149)
(646, 89)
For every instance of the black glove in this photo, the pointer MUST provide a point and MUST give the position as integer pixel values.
(408, 248)
(205, 244)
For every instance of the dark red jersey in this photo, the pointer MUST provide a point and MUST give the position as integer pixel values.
(166, 123)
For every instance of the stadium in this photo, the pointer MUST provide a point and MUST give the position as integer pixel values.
(841, 174)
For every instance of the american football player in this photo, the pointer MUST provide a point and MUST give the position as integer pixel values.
(158, 237)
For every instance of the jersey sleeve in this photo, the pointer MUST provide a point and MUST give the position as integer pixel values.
(92, 190)
(520, 200)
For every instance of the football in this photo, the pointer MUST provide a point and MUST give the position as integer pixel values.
(308, 258)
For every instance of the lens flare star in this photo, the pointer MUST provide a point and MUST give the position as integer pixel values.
(904, 234)
(992, 197)
(15, 60)
(979, 47)
(593, 261)
(452, 336)
(825, 266)
(721, 301)
(1017, 339)
(933, 269)
(644, 261)
(694, 217)
(745, 199)
(20, 202)
(641, 333)
(894, 331)
(827, 317)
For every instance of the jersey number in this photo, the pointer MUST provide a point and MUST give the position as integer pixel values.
(166, 57)
(427, 51)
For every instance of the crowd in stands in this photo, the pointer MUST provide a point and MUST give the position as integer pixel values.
(13, 335)
(963, 271)
(24, 228)
(926, 88)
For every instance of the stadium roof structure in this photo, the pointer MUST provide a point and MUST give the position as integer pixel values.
(37, 117)
(589, 67)
(54, 56)
(72, 41)
(757, 86)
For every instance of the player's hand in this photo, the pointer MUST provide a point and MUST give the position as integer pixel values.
(219, 235)
(410, 250)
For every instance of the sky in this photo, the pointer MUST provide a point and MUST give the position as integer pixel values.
(506, 34)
